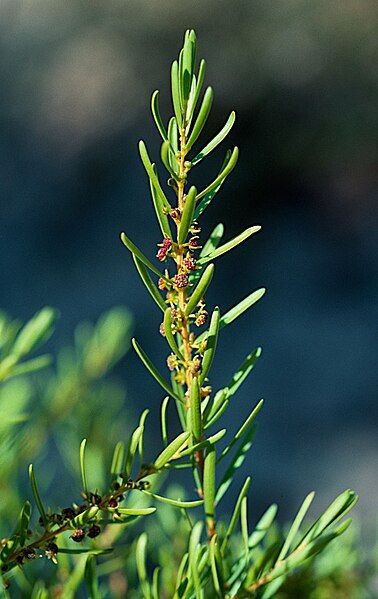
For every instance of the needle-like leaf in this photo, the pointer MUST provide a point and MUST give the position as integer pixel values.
(153, 370)
(216, 140)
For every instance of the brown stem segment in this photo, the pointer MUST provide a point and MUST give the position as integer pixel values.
(182, 302)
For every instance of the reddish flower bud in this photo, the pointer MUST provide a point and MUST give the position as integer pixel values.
(181, 280)
(94, 531)
(162, 284)
(193, 242)
(171, 362)
(201, 318)
(78, 535)
(165, 246)
(113, 502)
(190, 263)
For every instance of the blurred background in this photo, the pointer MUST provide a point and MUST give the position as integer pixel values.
(76, 84)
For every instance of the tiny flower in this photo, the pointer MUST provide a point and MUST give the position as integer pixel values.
(181, 280)
(113, 502)
(195, 366)
(78, 535)
(51, 552)
(193, 242)
(205, 391)
(195, 228)
(190, 263)
(162, 284)
(171, 362)
(165, 246)
(94, 531)
(175, 214)
(162, 329)
(201, 318)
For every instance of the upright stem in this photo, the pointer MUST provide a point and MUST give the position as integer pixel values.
(182, 302)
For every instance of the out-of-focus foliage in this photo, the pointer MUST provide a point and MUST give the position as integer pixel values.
(343, 570)
(48, 415)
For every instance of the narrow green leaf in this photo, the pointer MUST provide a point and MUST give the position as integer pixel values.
(118, 457)
(152, 175)
(187, 215)
(169, 334)
(82, 465)
(174, 502)
(194, 548)
(213, 241)
(263, 526)
(210, 420)
(244, 428)
(85, 516)
(37, 497)
(156, 114)
(209, 196)
(204, 444)
(241, 307)
(226, 247)
(195, 410)
(142, 421)
(175, 84)
(134, 511)
(35, 332)
(338, 508)
(218, 401)
(166, 158)
(187, 68)
(156, 583)
(200, 289)
(163, 418)
(169, 452)
(295, 526)
(173, 133)
(236, 513)
(194, 97)
(90, 550)
(160, 210)
(216, 567)
(211, 344)
(91, 580)
(201, 118)
(134, 250)
(222, 175)
(153, 370)
(209, 485)
(236, 462)
(216, 140)
(20, 534)
(149, 283)
(140, 557)
(132, 449)
(244, 527)
(243, 371)
(29, 366)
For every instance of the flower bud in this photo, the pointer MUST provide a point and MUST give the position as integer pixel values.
(181, 280)
(94, 531)
(78, 535)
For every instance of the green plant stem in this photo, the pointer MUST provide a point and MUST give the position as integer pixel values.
(182, 301)
(50, 535)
